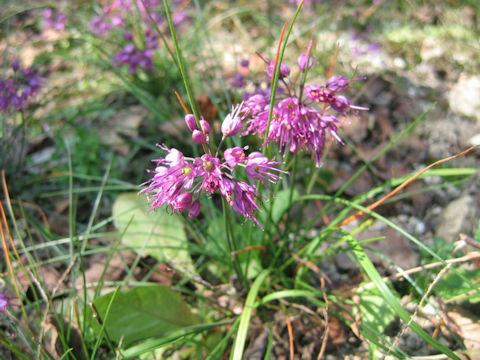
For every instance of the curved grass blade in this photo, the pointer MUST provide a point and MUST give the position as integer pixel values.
(239, 345)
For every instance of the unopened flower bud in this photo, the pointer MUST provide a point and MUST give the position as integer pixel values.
(191, 122)
(15, 65)
(194, 209)
(284, 70)
(127, 35)
(183, 201)
(199, 137)
(302, 62)
(205, 126)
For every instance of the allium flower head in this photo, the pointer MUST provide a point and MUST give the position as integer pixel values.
(178, 181)
(16, 91)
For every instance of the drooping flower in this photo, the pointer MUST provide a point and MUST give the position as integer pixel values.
(244, 202)
(183, 201)
(173, 175)
(260, 167)
(194, 209)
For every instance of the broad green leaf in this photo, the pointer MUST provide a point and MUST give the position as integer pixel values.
(282, 202)
(155, 233)
(371, 305)
(452, 285)
(144, 312)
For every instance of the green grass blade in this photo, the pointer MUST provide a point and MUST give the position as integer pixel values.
(239, 345)
(387, 294)
(104, 322)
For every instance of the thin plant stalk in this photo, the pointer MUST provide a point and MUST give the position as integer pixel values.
(231, 244)
(278, 63)
(181, 64)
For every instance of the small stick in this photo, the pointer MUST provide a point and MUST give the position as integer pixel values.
(185, 108)
(290, 337)
(401, 186)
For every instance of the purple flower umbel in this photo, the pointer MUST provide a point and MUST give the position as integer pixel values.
(17, 90)
(179, 181)
(297, 122)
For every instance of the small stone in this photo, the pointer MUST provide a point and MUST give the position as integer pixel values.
(474, 140)
(464, 98)
(458, 217)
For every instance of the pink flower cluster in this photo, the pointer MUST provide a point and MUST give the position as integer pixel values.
(178, 181)
(297, 123)
(52, 20)
(139, 51)
(118, 12)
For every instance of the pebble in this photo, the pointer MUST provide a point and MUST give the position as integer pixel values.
(464, 97)
(457, 217)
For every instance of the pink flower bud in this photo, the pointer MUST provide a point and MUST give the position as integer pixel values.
(183, 201)
(284, 70)
(191, 122)
(194, 209)
(302, 62)
(199, 137)
(233, 156)
(205, 126)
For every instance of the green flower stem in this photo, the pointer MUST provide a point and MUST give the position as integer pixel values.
(276, 73)
(181, 65)
(159, 32)
(231, 244)
(293, 175)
